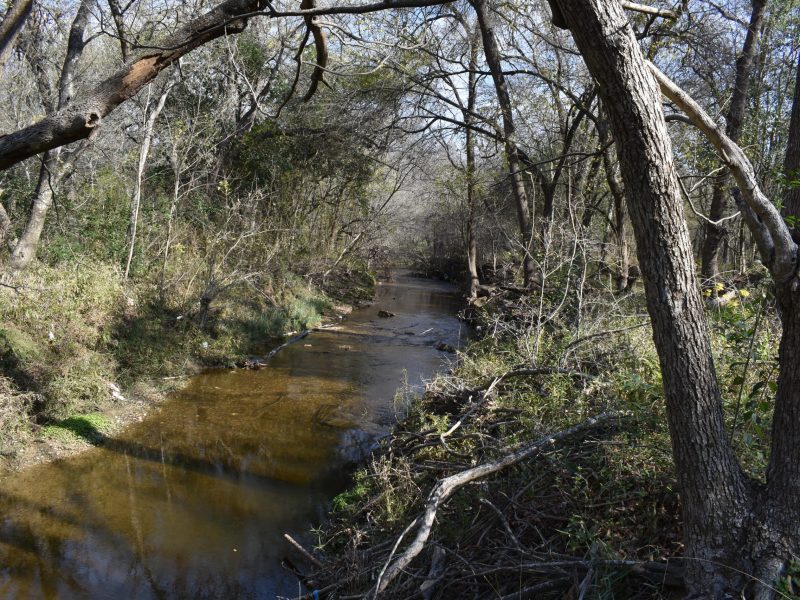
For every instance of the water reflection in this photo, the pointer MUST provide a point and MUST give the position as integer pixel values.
(193, 501)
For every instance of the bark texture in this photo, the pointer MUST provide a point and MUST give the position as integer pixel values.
(78, 119)
(715, 494)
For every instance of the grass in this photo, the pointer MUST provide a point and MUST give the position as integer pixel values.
(610, 495)
(90, 428)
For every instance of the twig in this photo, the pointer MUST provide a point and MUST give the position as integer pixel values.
(700, 215)
(449, 485)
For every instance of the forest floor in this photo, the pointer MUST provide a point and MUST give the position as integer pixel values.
(82, 351)
(540, 467)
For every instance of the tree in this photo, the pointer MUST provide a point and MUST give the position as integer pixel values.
(734, 118)
(731, 526)
(51, 170)
(11, 25)
(515, 168)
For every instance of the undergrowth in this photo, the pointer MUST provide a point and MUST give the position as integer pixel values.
(76, 338)
(597, 516)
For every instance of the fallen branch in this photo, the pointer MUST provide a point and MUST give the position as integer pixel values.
(305, 553)
(449, 485)
(532, 372)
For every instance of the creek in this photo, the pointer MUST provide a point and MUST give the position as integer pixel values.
(193, 501)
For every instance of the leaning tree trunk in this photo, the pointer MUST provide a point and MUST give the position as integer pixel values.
(777, 534)
(492, 53)
(12, 23)
(714, 492)
(714, 234)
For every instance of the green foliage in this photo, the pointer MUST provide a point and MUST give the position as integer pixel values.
(93, 224)
(90, 427)
(72, 332)
(354, 495)
(14, 408)
(789, 584)
(743, 334)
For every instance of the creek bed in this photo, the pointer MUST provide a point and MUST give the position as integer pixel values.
(193, 501)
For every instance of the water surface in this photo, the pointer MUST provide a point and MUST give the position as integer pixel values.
(193, 501)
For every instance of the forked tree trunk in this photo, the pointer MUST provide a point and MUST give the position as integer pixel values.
(493, 61)
(716, 496)
(714, 234)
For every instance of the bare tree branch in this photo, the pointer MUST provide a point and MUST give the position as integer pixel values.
(782, 262)
(649, 10)
(81, 117)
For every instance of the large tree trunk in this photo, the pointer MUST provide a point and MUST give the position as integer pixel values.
(714, 492)
(492, 53)
(714, 234)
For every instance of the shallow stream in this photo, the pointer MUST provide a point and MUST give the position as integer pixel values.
(193, 501)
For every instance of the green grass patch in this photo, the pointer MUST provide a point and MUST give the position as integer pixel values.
(91, 428)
